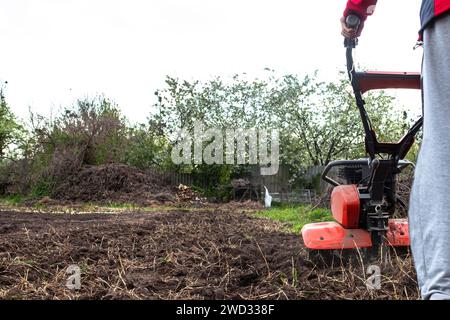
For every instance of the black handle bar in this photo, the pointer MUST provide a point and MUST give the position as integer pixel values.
(402, 164)
(397, 151)
(352, 21)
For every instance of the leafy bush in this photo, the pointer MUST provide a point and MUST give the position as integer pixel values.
(11, 131)
(147, 147)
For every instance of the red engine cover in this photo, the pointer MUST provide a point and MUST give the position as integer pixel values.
(345, 206)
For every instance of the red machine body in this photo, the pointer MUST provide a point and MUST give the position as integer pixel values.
(364, 203)
(371, 80)
(345, 232)
(398, 233)
(345, 206)
(333, 236)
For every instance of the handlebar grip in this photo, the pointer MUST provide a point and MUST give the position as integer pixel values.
(352, 21)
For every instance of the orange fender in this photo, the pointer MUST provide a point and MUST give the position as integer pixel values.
(333, 236)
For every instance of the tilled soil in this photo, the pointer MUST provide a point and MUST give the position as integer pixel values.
(210, 254)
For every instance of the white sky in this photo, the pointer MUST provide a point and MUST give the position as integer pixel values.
(54, 51)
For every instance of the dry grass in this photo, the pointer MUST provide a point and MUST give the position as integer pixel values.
(221, 253)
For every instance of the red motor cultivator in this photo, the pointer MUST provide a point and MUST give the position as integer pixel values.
(364, 205)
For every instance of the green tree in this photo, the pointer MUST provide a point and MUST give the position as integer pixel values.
(148, 147)
(10, 130)
(322, 123)
(319, 121)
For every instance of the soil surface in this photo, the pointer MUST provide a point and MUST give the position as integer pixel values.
(220, 253)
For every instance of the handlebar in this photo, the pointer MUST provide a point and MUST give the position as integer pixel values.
(396, 151)
(402, 164)
(352, 21)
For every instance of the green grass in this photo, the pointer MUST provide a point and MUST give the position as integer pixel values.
(130, 207)
(12, 200)
(296, 216)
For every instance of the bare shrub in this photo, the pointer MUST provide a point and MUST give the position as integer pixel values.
(89, 133)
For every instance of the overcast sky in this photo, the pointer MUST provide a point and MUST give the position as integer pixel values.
(54, 51)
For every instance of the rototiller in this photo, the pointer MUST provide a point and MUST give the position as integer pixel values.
(364, 205)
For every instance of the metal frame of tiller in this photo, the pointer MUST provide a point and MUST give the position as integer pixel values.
(377, 197)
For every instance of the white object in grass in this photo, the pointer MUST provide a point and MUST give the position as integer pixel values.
(267, 198)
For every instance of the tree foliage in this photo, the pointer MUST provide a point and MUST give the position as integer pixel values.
(10, 129)
(318, 121)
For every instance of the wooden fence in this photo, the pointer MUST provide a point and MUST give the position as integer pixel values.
(175, 178)
(279, 185)
(296, 197)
